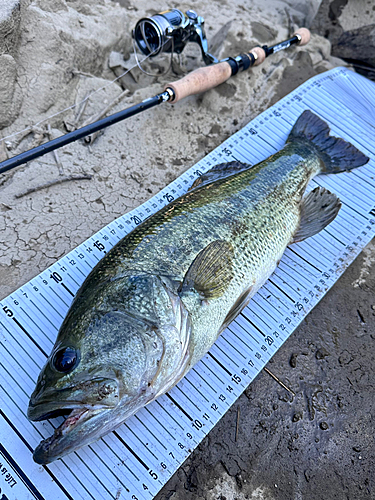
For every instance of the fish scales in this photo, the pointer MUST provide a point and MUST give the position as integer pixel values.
(155, 304)
(240, 209)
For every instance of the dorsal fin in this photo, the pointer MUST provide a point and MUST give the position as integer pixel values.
(220, 171)
(318, 209)
(211, 271)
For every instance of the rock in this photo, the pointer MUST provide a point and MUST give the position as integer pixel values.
(357, 45)
(350, 27)
(10, 99)
(10, 17)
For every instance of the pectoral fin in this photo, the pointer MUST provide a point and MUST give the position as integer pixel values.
(318, 209)
(211, 271)
(239, 305)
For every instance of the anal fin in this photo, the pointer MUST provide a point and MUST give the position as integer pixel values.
(318, 209)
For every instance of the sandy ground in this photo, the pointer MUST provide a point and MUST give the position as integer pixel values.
(318, 445)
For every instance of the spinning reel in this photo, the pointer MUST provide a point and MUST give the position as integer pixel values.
(170, 31)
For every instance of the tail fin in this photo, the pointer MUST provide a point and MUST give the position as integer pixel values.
(336, 154)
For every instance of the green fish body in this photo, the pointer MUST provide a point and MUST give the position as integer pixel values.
(158, 300)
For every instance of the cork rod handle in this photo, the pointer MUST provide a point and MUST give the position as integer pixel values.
(200, 80)
(206, 78)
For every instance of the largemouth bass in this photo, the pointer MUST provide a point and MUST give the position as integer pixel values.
(155, 304)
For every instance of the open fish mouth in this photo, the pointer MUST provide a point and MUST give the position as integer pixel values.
(64, 436)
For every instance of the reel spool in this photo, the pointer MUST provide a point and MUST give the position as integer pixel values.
(170, 31)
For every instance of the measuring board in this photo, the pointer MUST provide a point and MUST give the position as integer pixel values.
(136, 460)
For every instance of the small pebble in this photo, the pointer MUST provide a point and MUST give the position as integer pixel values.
(297, 416)
(293, 360)
(321, 353)
(323, 426)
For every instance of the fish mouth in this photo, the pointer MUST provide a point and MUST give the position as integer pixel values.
(64, 438)
(85, 420)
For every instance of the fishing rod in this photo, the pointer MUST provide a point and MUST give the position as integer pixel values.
(169, 31)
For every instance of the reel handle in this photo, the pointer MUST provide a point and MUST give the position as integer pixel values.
(207, 78)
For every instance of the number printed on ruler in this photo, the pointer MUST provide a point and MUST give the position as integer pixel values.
(141, 455)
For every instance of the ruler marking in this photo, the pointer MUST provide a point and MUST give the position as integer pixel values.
(59, 296)
(302, 246)
(307, 262)
(30, 337)
(83, 274)
(334, 237)
(17, 362)
(196, 389)
(362, 179)
(232, 346)
(169, 415)
(204, 380)
(179, 407)
(71, 277)
(253, 311)
(230, 328)
(220, 364)
(282, 291)
(226, 355)
(36, 324)
(159, 423)
(21, 346)
(118, 458)
(48, 302)
(41, 312)
(150, 431)
(295, 270)
(133, 453)
(251, 323)
(213, 373)
(178, 388)
(263, 139)
(74, 475)
(145, 445)
(284, 282)
(67, 289)
(293, 278)
(96, 478)
(22, 412)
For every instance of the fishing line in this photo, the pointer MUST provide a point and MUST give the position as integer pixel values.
(35, 125)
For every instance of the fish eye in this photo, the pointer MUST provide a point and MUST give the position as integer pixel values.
(65, 359)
